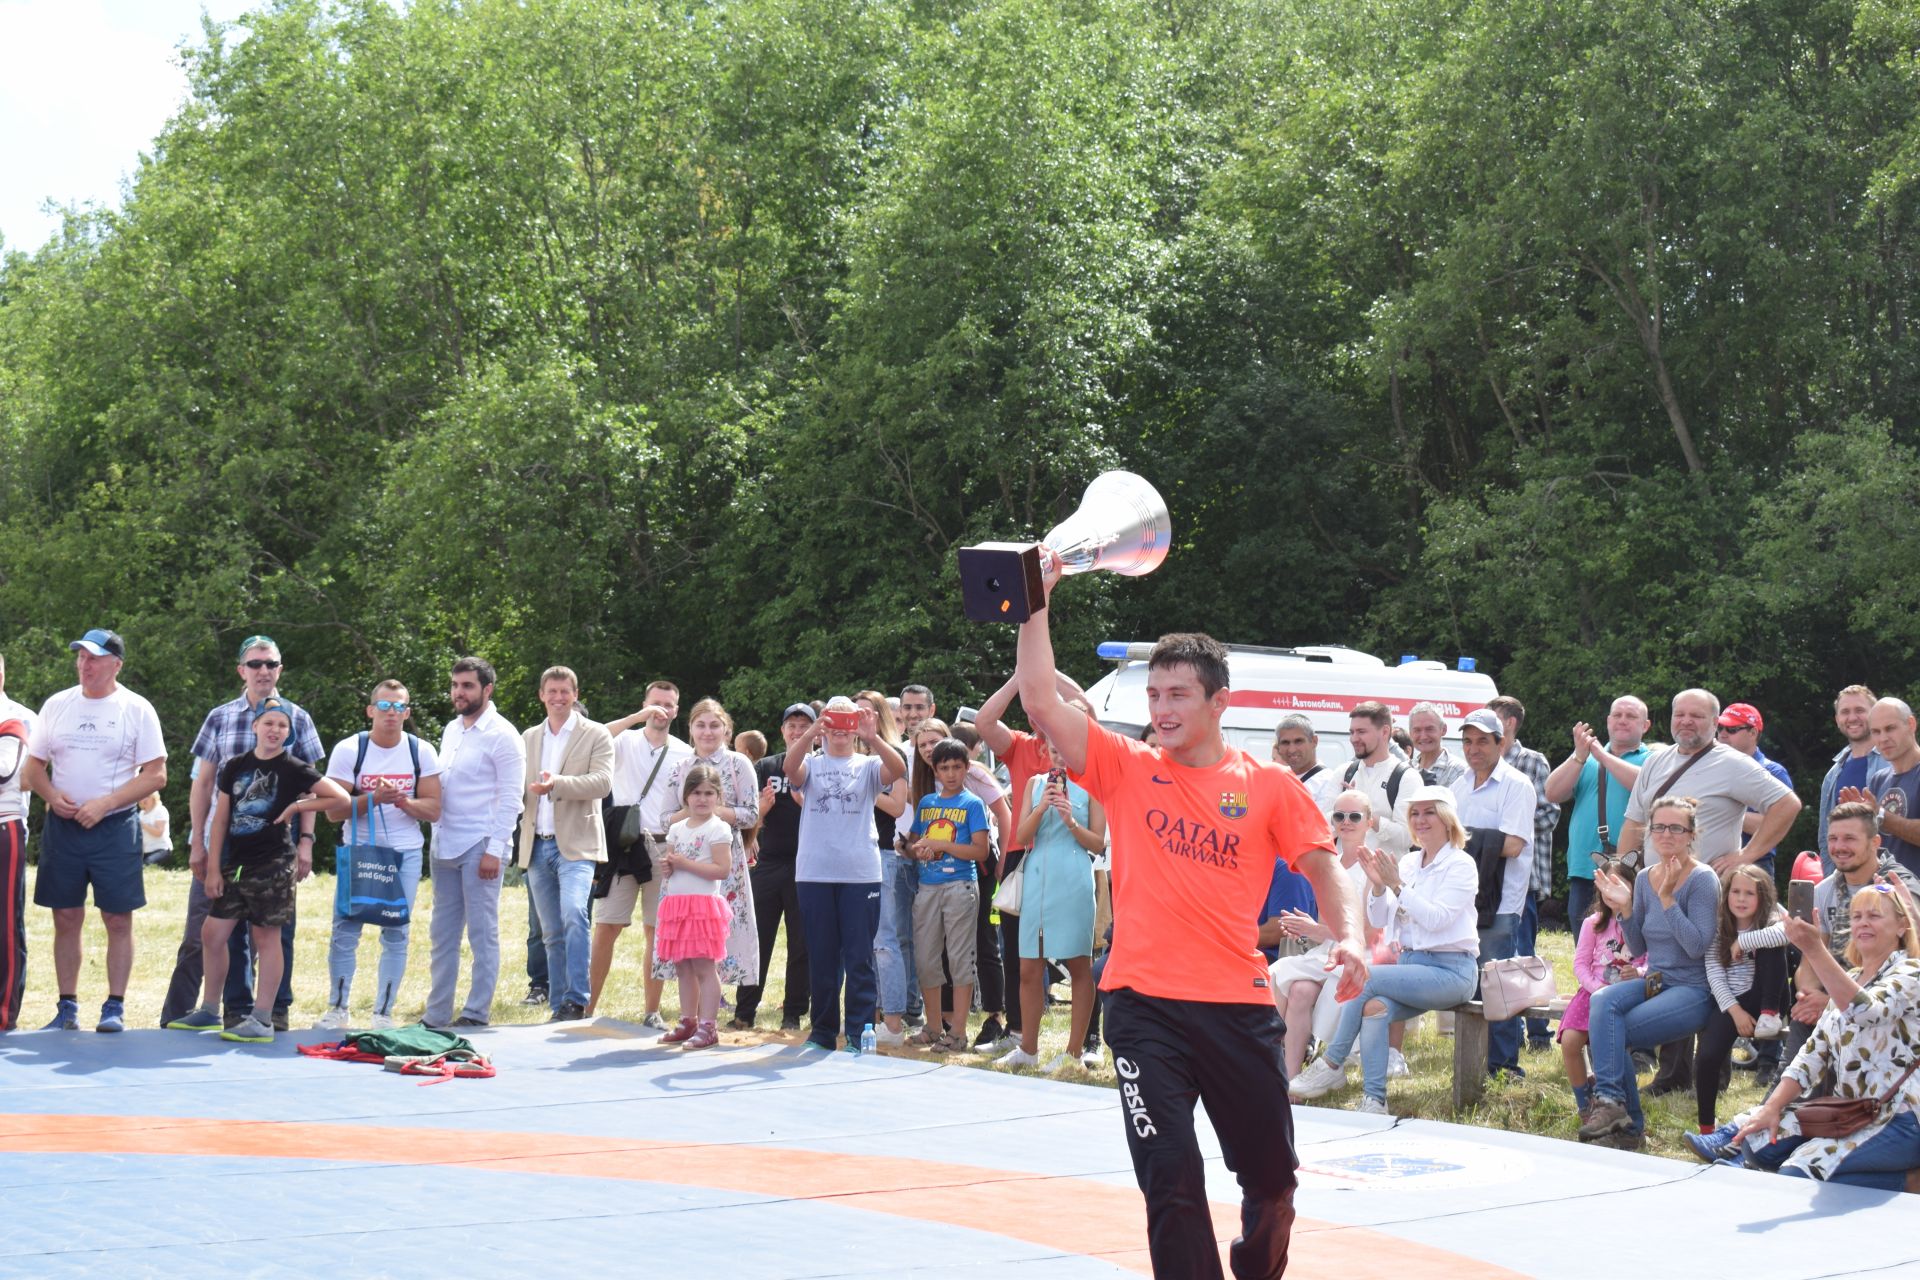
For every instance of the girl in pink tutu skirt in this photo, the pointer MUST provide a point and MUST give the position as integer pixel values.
(694, 915)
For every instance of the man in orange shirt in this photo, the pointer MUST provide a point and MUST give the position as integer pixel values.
(1197, 827)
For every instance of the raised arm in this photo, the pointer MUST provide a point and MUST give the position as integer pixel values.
(1039, 680)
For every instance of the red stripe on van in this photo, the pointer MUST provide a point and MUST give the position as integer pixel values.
(1287, 700)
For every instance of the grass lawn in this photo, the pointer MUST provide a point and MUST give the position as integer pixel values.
(1540, 1104)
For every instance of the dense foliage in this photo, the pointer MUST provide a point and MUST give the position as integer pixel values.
(692, 339)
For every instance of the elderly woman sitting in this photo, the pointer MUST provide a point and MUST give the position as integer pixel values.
(1867, 1039)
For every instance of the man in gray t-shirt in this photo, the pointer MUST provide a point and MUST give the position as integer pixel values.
(837, 865)
(1723, 782)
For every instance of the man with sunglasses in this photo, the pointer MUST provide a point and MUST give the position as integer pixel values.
(1740, 726)
(394, 779)
(226, 733)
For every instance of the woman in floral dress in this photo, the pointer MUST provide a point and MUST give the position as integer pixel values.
(710, 729)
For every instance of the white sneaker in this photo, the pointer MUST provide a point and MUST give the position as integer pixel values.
(1016, 1057)
(334, 1019)
(385, 1022)
(889, 1039)
(1370, 1106)
(1397, 1064)
(1317, 1078)
(1768, 1027)
(1092, 1060)
(1059, 1062)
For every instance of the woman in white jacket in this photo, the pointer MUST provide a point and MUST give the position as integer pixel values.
(1425, 904)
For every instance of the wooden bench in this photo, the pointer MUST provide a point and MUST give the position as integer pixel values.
(1470, 1048)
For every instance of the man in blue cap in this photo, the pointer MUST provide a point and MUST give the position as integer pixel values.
(95, 754)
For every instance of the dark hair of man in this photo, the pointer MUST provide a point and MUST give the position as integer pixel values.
(1205, 655)
(479, 668)
(920, 689)
(1374, 711)
(966, 735)
(1508, 708)
(1857, 811)
(668, 685)
(950, 749)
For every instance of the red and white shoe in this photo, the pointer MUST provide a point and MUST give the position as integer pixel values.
(682, 1030)
(705, 1036)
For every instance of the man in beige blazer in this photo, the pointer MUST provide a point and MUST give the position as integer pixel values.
(569, 771)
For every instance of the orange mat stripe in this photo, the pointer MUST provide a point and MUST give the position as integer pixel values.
(1069, 1215)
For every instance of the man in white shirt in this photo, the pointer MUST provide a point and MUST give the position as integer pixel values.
(1297, 746)
(96, 753)
(569, 764)
(394, 779)
(482, 778)
(1386, 782)
(642, 763)
(16, 730)
(1493, 795)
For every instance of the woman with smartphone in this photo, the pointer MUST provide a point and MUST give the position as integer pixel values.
(1062, 828)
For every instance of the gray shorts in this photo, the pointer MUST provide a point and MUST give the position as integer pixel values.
(617, 906)
(945, 918)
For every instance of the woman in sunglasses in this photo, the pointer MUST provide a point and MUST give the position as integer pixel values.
(1300, 986)
(1668, 914)
(1424, 903)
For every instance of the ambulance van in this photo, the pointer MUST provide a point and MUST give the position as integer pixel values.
(1323, 682)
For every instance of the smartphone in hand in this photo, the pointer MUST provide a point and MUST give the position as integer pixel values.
(1800, 900)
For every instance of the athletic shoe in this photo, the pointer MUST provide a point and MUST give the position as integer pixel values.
(991, 1033)
(334, 1019)
(740, 1024)
(385, 1022)
(704, 1036)
(66, 1017)
(1371, 1106)
(1059, 1062)
(113, 1016)
(536, 994)
(1016, 1058)
(1317, 1079)
(683, 1030)
(1622, 1140)
(1768, 1027)
(230, 1019)
(811, 1043)
(653, 1020)
(196, 1020)
(1091, 1059)
(1605, 1117)
(1711, 1147)
(568, 1012)
(1397, 1064)
(250, 1031)
(914, 1021)
(887, 1039)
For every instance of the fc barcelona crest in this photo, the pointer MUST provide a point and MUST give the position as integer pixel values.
(1233, 804)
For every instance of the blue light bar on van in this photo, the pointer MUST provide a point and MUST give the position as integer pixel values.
(1111, 650)
(1468, 664)
(1407, 658)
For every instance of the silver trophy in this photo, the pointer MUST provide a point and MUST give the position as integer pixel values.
(1122, 527)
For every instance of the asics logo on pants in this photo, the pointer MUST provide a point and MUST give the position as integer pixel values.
(1143, 1126)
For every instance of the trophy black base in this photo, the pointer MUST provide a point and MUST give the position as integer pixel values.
(1000, 581)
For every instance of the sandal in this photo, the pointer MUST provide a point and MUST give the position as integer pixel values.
(928, 1037)
(953, 1042)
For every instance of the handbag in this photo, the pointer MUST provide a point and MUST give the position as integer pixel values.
(1508, 988)
(1842, 1117)
(367, 886)
(1007, 897)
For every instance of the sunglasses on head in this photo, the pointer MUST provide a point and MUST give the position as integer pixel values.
(262, 664)
(388, 704)
(1339, 816)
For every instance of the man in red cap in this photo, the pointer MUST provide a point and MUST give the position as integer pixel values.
(1739, 727)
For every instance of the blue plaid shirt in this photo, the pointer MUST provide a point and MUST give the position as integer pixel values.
(1546, 816)
(228, 732)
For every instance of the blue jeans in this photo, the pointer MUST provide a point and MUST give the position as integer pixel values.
(1420, 981)
(1501, 941)
(893, 938)
(343, 951)
(536, 946)
(1622, 1019)
(901, 885)
(1579, 902)
(1537, 1034)
(1881, 1162)
(839, 921)
(562, 890)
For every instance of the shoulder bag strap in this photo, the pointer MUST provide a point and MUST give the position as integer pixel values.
(1600, 812)
(1692, 760)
